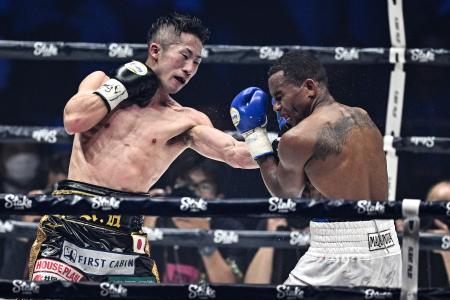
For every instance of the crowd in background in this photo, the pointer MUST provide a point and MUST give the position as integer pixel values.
(26, 84)
(24, 169)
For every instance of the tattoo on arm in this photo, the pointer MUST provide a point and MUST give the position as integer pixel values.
(331, 138)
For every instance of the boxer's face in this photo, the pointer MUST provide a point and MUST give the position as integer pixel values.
(291, 99)
(176, 63)
(203, 186)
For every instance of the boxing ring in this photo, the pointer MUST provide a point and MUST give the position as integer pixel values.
(185, 206)
(409, 209)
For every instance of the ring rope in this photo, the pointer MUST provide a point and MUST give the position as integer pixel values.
(106, 290)
(57, 135)
(223, 238)
(20, 204)
(231, 54)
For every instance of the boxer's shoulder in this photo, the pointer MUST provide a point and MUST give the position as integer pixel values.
(196, 116)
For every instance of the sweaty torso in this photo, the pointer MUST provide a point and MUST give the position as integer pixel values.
(132, 147)
(348, 159)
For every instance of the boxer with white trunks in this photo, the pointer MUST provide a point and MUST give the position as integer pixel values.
(340, 151)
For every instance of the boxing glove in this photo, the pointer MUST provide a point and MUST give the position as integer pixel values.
(282, 122)
(248, 112)
(134, 82)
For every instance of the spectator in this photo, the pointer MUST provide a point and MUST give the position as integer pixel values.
(202, 264)
(56, 167)
(434, 266)
(20, 168)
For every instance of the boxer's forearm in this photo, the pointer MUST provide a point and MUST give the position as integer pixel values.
(279, 181)
(260, 269)
(268, 167)
(215, 144)
(238, 154)
(83, 111)
(217, 269)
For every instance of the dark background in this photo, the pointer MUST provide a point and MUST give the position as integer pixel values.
(34, 92)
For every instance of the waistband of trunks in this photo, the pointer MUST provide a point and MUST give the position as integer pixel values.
(120, 222)
(373, 238)
(95, 189)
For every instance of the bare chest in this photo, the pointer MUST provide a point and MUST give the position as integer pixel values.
(139, 130)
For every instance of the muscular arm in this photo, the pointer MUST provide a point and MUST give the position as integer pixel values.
(287, 178)
(85, 109)
(215, 144)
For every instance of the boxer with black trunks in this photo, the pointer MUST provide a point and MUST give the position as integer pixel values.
(128, 130)
(340, 151)
(122, 252)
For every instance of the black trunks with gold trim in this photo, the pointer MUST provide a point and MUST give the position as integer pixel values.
(126, 223)
(97, 247)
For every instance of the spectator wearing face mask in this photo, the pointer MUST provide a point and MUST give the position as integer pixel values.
(20, 172)
(20, 168)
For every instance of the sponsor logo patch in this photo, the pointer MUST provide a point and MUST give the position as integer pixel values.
(202, 291)
(380, 240)
(136, 67)
(139, 243)
(342, 53)
(281, 205)
(113, 290)
(421, 55)
(289, 292)
(45, 135)
(368, 208)
(17, 202)
(45, 49)
(105, 203)
(270, 53)
(235, 117)
(193, 205)
(46, 276)
(98, 262)
(23, 287)
(120, 50)
(427, 141)
(52, 268)
(225, 237)
(374, 294)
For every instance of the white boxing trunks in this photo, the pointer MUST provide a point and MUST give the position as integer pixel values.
(360, 253)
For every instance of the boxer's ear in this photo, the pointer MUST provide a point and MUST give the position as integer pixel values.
(311, 88)
(154, 49)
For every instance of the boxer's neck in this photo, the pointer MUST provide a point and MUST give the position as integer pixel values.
(323, 98)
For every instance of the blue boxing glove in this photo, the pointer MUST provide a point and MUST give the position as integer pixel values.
(248, 112)
(283, 126)
(282, 122)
